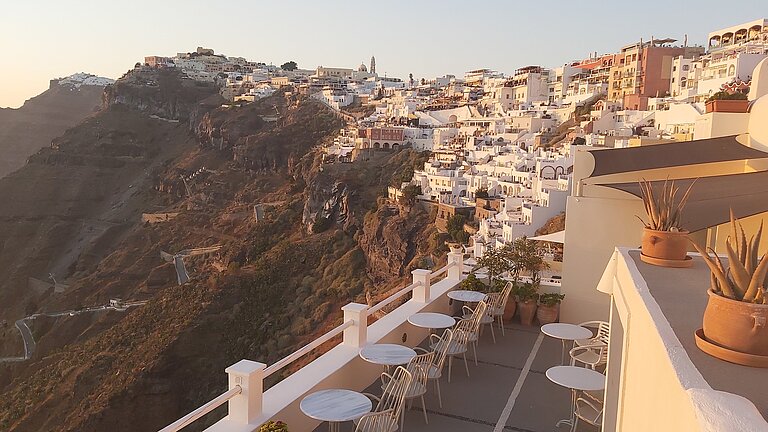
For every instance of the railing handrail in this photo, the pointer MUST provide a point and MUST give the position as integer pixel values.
(437, 273)
(203, 410)
(290, 358)
(392, 298)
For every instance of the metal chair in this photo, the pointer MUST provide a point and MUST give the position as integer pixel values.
(457, 345)
(476, 316)
(497, 312)
(381, 421)
(602, 333)
(589, 410)
(392, 398)
(419, 369)
(592, 356)
(435, 371)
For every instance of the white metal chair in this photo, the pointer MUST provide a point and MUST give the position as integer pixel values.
(458, 344)
(419, 369)
(476, 316)
(435, 371)
(589, 410)
(393, 397)
(592, 356)
(602, 333)
(497, 312)
(381, 421)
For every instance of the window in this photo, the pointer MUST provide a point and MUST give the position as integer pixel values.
(674, 68)
(685, 67)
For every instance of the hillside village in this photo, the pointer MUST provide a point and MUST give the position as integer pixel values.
(501, 144)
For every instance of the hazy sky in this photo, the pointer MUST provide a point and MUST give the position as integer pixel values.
(44, 39)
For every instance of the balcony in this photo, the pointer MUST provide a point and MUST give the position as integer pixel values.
(507, 387)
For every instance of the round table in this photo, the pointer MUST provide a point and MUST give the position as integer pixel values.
(431, 320)
(576, 379)
(467, 296)
(335, 406)
(565, 332)
(387, 355)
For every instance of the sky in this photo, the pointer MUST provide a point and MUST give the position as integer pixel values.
(45, 39)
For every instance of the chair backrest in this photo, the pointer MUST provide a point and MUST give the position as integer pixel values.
(419, 368)
(505, 295)
(395, 388)
(461, 332)
(494, 302)
(477, 315)
(441, 348)
(603, 333)
(379, 421)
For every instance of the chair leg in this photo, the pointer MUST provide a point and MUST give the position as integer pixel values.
(424, 408)
(493, 333)
(439, 396)
(402, 420)
(474, 349)
(450, 366)
(466, 366)
(501, 324)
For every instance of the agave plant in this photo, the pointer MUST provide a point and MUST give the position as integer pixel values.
(745, 278)
(664, 211)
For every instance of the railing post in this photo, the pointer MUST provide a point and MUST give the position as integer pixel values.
(421, 290)
(357, 334)
(456, 258)
(246, 407)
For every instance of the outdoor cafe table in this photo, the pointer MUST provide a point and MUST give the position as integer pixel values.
(387, 355)
(466, 296)
(576, 379)
(431, 320)
(335, 406)
(565, 332)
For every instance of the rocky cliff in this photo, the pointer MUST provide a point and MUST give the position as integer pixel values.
(26, 130)
(276, 282)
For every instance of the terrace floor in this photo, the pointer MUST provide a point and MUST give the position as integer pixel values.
(507, 391)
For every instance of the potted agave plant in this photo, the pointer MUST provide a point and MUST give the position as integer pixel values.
(665, 242)
(274, 426)
(735, 324)
(548, 310)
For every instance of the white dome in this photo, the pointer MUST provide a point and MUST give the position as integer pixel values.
(759, 86)
(758, 126)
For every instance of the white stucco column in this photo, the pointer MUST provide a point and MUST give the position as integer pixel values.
(357, 334)
(457, 259)
(249, 375)
(421, 291)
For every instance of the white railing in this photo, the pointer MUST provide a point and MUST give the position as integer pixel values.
(246, 378)
(306, 349)
(203, 410)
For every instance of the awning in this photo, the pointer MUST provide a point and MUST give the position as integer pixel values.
(721, 149)
(712, 197)
(556, 237)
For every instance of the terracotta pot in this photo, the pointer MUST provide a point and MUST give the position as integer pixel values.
(527, 311)
(738, 326)
(665, 245)
(547, 314)
(510, 309)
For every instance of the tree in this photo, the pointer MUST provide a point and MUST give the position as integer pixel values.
(496, 262)
(524, 254)
(289, 66)
(482, 193)
(455, 227)
(410, 193)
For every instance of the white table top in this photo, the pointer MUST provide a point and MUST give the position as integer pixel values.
(387, 354)
(566, 331)
(336, 405)
(577, 378)
(431, 320)
(467, 296)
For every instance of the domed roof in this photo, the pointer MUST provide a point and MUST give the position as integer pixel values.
(362, 68)
(758, 127)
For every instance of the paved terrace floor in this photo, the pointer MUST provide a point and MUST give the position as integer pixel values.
(507, 391)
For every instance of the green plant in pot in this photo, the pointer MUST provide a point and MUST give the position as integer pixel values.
(526, 295)
(274, 426)
(735, 323)
(495, 262)
(548, 310)
(665, 242)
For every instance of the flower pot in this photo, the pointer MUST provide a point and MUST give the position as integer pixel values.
(665, 248)
(727, 106)
(509, 309)
(547, 314)
(737, 326)
(527, 311)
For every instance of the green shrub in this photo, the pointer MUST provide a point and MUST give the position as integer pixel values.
(274, 426)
